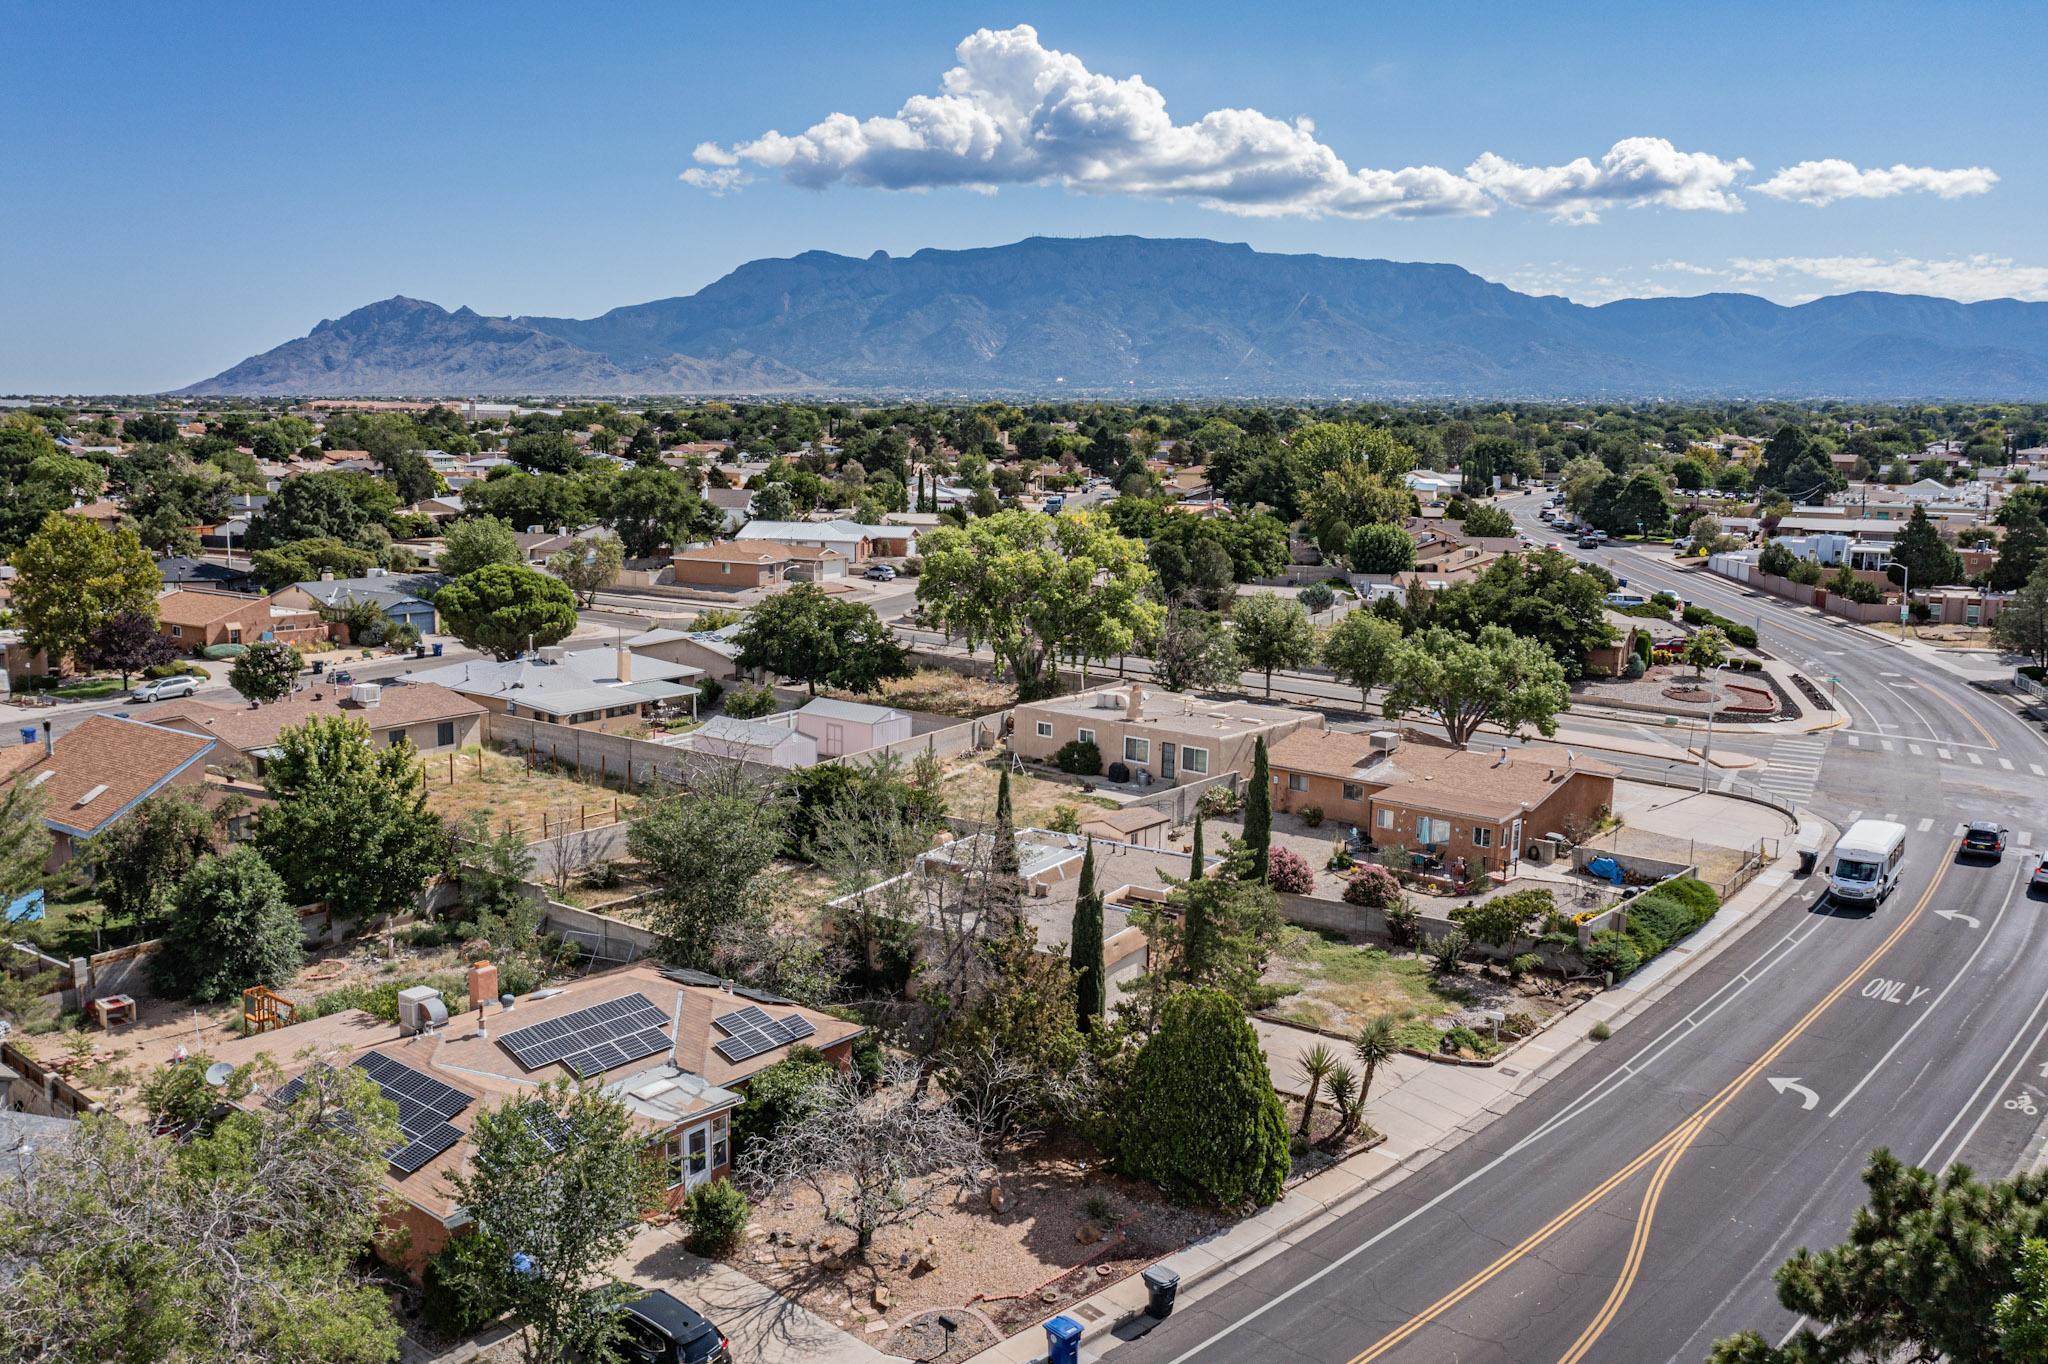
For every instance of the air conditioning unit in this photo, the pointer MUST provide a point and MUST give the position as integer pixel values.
(366, 695)
(420, 1010)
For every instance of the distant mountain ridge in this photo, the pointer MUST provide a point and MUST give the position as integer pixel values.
(1187, 317)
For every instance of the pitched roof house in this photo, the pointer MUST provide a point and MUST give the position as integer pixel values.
(597, 688)
(430, 717)
(100, 770)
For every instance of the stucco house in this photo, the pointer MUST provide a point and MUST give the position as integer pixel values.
(741, 565)
(193, 619)
(1162, 737)
(405, 598)
(100, 770)
(590, 688)
(431, 718)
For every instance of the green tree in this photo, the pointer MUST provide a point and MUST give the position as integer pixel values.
(310, 507)
(545, 452)
(24, 848)
(1084, 951)
(303, 561)
(128, 642)
(2022, 1315)
(710, 849)
(491, 868)
(808, 636)
(1708, 648)
(348, 823)
(505, 609)
(1376, 1045)
(1198, 1115)
(232, 926)
(2023, 543)
(653, 508)
(589, 568)
(1488, 522)
(1195, 652)
(776, 1097)
(241, 1241)
(1921, 1276)
(1360, 650)
(1315, 1066)
(2021, 626)
(1383, 549)
(1497, 679)
(266, 671)
(558, 1179)
(1271, 632)
(1037, 589)
(138, 861)
(1258, 810)
(72, 577)
(1926, 560)
(1631, 504)
(1223, 935)
(477, 542)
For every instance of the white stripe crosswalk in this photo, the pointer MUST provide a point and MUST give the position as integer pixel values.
(1793, 769)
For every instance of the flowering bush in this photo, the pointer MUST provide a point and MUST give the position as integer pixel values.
(1373, 887)
(1289, 872)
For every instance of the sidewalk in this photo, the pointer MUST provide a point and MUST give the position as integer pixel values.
(1425, 1110)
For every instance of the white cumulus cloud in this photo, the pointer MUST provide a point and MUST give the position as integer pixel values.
(1635, 170)
(1824, 182)
(1967, 278)
(1015, 112)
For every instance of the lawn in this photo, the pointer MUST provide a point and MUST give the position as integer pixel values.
(510, 792)
(1340, 985)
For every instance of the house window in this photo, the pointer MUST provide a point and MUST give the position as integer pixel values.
(444, 734)
(1137, 751)
(1086, 736)
(1386, 819)
(1482, 838)
(1045, 729)
(177, 632)
(395, 738)
(1194, 760)
(1297, 781)
(725, 568)
(721, 1149)
(1432, 831)
(234, 634)
(1353, 791)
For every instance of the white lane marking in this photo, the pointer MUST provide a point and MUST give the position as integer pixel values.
(1983, 941)
(1927, 1161)
(1855, 742)
(2026, 838)
(2005, 764)
(1855, 815)
(1889, 746)
(1975, 761)
(1917, 750)
(1925, 825)
(2035, 768)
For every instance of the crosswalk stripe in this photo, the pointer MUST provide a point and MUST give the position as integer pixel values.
(1944, 755)
(1855, 742)
(2026, 838)
(1855, 815)
(1916, 749)
(2035, 768)
(1975, 761)
(1925, 825)
(2005, 763)
(1889, 746)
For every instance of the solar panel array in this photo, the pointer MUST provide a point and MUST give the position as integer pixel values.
(593, 1040)
(751, 1032)
(546, 1125)
(424, 1107)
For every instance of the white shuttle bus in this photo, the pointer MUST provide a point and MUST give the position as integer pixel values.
(1867, 861)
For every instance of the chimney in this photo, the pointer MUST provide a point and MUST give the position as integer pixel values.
(49, 740)
(483, 983)
(1134, 709)
(693, 1034)
(625, 664)
(326, 575)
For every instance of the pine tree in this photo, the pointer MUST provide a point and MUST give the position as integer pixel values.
(1258, 812)
(1085, 951)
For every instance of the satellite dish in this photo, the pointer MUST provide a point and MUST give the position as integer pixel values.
(219, 1073)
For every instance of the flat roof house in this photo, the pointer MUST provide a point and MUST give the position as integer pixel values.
(100, 770)
(1437, 801)
(851, 538)
(674, 1047)
(1169, 737)
(589, 688)
(713, 652)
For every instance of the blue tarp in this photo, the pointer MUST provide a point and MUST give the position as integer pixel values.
(1606, 868)
(26, 908)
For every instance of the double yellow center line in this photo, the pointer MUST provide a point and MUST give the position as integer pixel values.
(1666, 1152)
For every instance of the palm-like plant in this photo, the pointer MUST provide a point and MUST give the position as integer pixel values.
(1315, 1065)
(1344, 1097)
(1377, 1045)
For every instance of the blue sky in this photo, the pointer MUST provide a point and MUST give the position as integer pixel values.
(192, 184)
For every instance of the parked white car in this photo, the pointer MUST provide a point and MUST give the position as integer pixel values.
(164, 689)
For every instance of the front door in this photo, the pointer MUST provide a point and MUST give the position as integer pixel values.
(1166, 757)
(835, 738)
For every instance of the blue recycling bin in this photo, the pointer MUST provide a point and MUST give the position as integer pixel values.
(28, 734)
(437, 651)
(1063, 1341)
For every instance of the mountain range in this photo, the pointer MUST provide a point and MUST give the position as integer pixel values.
(1134, 315)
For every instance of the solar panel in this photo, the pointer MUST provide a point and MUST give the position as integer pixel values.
(423, 1148)
(760, 996)
(751, 1031)
(795, 1028)
(547, 1125)
(591, 1037)
(749, 1019)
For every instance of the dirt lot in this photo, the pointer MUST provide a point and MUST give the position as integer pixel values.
(1045, 1249)
(970, 789)
(1948, 636)
(506, 789)
(941, 691)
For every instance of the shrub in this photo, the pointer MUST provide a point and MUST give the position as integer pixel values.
(463, 1286)
(1419, 1034)
(1522, 964)
(1404, 923)
(1461, 1040)
(1446, 950)
(1634, 668)
(1499, 921)
(709, 690)
(1612, 951)
(1373, 887)
(1311, 815)
(1921, 612)
(603, 874)
(1656, 921)
(1664, 601)
(776, 1096)
(1064, 819)
(1198, 1116)
(1600, 1032)
(718, 1214)
(1288, 872)
(749, 703)
(1695, 894)
(1217, 801)
(1079, 758)
(1317, 597)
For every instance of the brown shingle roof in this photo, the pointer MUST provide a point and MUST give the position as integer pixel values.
(757, 552)
(101, 768)
(192, 607)
(245, 729)
(1432, 776)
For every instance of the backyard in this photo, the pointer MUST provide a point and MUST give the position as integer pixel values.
(504, 787)
(970, 790)
(941, 691)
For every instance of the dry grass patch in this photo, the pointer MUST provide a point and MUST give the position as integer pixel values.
(970, 791)
(505, 788)
(941, 691)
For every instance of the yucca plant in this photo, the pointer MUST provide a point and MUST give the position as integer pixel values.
(1378, 1043)
(1315, 1066)
(1343, 1088)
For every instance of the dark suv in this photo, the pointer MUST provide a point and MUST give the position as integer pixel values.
(1982, 838)
(660, 1329)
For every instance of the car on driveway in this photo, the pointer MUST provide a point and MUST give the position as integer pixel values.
(164, 689)
(662, 1329)
(1983, 838)
(881, 573)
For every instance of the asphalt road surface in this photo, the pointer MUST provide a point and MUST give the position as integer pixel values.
(1634, 1208)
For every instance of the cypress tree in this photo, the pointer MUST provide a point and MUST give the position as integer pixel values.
(1003, 860)
(1195, 856)
(1085, 952)
(1199, 1116)
(1258, 812)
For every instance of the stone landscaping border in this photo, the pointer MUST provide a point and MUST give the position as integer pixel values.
(1442, 1058)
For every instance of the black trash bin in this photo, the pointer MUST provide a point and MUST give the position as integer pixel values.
(1808, 857)
(1161, 1287)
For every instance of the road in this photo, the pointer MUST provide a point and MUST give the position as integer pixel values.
(1634, 1208)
